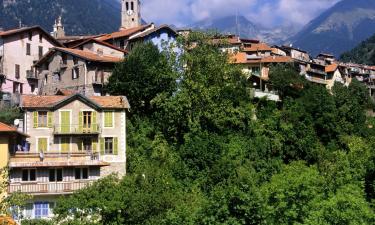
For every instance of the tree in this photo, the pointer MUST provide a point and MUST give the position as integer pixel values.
(8, 115)
(142, 76)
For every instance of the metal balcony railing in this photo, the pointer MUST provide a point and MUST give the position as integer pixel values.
(31, 75)
(76, 129)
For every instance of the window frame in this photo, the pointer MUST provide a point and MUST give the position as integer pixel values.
(81, 173)
(28, 49)
(28, 179)
(108, 141)
(47, 144)
(55, 175)
(17, 71)
(44, 210)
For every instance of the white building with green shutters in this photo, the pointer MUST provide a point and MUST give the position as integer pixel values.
(74, 140)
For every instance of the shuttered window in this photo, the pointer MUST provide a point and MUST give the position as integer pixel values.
(42, 144)
(108, 119)
(109, 146)
(65, 144)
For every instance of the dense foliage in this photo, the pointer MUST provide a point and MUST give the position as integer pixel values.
(208, 154)
(364, 53)
(8, 115)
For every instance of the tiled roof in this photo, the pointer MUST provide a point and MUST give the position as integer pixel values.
(27, 29)
(4, 128)
(110, 101)
(90, 55)
(148, 32)
(124, 33)
(99, 42)
(331, 68)
(277, 59)
(107, 102)
(258, 47)
(240, 57)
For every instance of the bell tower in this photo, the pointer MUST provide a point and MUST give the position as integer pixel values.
(130, 14)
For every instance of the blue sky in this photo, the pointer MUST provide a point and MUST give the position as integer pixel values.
(269, 13)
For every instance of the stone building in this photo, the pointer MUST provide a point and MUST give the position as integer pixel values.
(130, 14)
(81, 71)
(19, 50)
(74, 140)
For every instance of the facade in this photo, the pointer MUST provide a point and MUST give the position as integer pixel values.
(81, 71)
(19, 50)
(74, 140)
(10, 137)
(130, 14)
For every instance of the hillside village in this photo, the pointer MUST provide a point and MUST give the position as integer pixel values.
(73, 133)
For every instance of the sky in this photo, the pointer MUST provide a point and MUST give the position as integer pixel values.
(269, 13)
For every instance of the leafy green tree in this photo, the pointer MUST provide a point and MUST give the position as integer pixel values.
(8, 115)
(142, 76)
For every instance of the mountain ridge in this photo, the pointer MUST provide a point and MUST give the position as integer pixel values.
(338, 29)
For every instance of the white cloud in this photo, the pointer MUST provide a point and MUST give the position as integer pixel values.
(265, 12)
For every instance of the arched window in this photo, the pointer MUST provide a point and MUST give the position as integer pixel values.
(132, 5)
(127, 6)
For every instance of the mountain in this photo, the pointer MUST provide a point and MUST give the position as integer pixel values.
(245, 28)
(364, 53)
(79, 16)
(338, 29)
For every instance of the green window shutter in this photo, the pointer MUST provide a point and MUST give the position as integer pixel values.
(64, 145)
(108, 119)
(42, 144)
(49, 115)
(94, 145)
(80, 126)
(35, 115)
(115, 146)
(94, 122)
(102, 144)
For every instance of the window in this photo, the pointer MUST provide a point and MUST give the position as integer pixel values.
(87, 120)
(41, 209)
(42, 119)
(108, 119)
(30, 36)
(16, 87)
(42, 144)
(64, 58)
(40, 52)
(127, 6)
(29, 211)
(132, 6)
(17, 71)
(87, 144)
(55, 175)
(40, 38)
(29, 175)
(65, 144)
(32, 87)
(108, 145)
(28, 49)
(256, 70)
(81, 173)
(75, 60)
(75, 73)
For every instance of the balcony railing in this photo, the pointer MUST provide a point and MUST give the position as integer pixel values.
(76, 129)
(49, 187)
(322, 72)
(55, 159)
(31, 75)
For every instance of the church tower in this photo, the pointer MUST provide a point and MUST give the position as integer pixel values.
(130, 14)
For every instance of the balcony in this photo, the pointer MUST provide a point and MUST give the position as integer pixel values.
(55, 159)
(74, 129)
(52, 188)
(317, 71)
(31, 75)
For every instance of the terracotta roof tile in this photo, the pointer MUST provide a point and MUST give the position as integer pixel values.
(4, 128)
(99, 42)
(331, 68)
(90, 55)
(258, 47)
(124, 33)
(241, 58)
(37, 101)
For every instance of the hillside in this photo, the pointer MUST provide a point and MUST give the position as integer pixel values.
(246, 29)
(364, 53)
(79, 17)
(339, 29)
